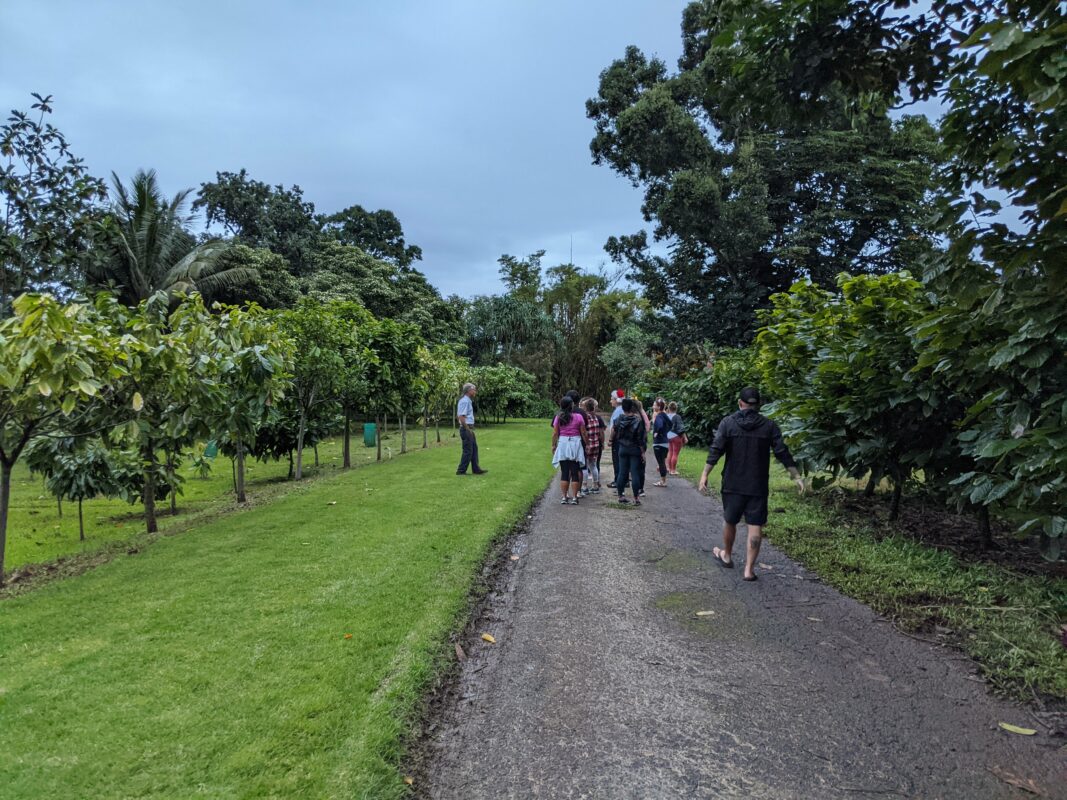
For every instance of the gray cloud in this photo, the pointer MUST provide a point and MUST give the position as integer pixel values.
(465, 118)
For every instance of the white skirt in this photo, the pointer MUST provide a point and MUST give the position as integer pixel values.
(569, 448)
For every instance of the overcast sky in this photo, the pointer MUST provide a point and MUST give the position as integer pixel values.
(466, 118)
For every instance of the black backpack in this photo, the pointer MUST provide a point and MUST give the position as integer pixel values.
(627, 431)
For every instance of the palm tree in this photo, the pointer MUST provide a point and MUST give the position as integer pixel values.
(151, 249)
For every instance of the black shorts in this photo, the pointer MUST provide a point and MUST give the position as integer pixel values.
(570, 471)
(752, 507)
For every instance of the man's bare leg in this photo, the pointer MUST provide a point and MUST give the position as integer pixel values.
(755, 539)
(729, 534)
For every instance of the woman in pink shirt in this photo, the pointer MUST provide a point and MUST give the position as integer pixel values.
(569, 441)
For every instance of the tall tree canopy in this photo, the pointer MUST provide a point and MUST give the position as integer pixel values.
(260, 215)
(386, 290)
(378, 233)
(748, 204)
(150, 249)
(48, 204)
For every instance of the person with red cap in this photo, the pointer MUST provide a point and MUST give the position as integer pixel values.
(616, 412)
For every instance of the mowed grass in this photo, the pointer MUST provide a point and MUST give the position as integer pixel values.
(1008, 622)
(217, 663)
(37, 533)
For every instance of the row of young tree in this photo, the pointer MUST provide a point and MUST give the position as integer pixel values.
(106, 400)
(904, 323)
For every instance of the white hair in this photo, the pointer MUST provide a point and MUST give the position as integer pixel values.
(467, 388)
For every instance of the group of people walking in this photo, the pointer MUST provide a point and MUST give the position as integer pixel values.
(580, 437)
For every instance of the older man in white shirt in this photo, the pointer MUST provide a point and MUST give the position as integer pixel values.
(465, 418)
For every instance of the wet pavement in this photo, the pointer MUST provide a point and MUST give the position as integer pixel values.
(604, 681)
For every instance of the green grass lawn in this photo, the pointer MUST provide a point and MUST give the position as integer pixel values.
(1008, 622)
(215, 663)
(36, 533)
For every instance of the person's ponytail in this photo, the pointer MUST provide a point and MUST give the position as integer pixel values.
(565, 406)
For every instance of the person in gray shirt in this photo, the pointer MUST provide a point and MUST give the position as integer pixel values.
(465, 417)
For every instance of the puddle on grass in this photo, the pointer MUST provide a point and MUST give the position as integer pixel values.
(728, 621)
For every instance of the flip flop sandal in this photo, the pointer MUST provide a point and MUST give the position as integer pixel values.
(720, 562)
(753, 578)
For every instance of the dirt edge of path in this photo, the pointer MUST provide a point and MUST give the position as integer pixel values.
(488, 602)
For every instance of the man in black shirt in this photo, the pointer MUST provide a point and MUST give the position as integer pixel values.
(746, 438)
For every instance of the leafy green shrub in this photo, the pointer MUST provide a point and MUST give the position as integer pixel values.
(707, 395)
(851, 398)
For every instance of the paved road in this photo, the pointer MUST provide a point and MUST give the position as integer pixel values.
(604, 683)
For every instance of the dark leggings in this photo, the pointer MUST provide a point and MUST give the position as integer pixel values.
(629, 467)
(661, 459)
(570, 471)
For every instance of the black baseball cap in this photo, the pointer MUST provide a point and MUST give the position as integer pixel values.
(750, 396)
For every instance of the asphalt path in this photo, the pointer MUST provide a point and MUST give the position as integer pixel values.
(605, 682)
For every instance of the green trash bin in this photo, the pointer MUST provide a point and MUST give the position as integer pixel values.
(370, 434)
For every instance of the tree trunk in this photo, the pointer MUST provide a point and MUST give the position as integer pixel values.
(985, 529)
(403, 433)
(81, 522)
(241, 498)
(300, 446)
(378, 435)
(348, 439)
(173, 485)
(149, 496)
(59, 507)
(872, 483)
(437, 426)
(233, 473)
(316, 455)
(425, 428)
(290, 465)
(894, 505)
(385, 424)
(5, 501)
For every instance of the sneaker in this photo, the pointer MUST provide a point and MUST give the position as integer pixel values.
(624, 501)
(612, 485)
(585, 492)
(637, 502)
(565, 502)
(573, 501)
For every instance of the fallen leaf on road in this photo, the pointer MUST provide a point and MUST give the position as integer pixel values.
(409, 780)
(462, 656)
(489, 638)
(1026, 784)
(332, 503)
(1016, 729)
(765, 566)
(814, 619)
(348, 635)
(514, 558)
(705, 613)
